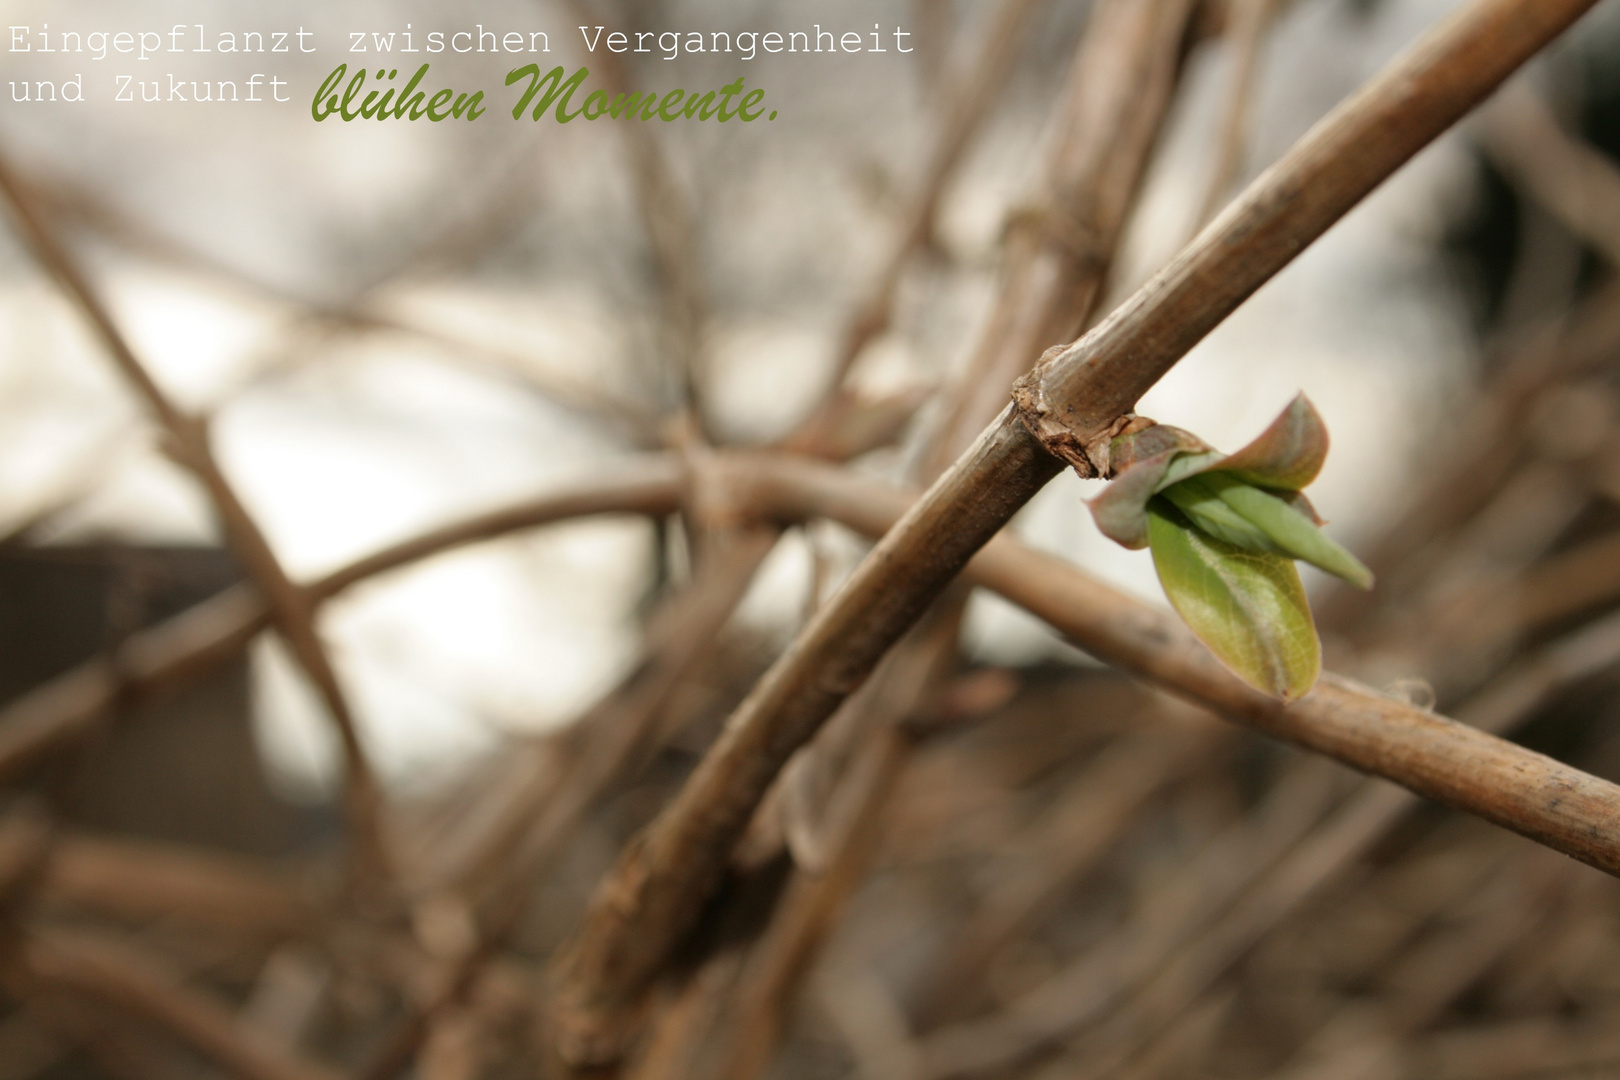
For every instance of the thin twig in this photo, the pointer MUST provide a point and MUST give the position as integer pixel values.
(1248, 22)
(1162, 944)
(1454, 764)
(968, 109)
(1575, 182)
(672, 234)
(1063, 240)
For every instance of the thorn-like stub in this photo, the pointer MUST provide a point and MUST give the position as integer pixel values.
(1086, 452)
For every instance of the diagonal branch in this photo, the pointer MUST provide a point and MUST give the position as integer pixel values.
(1070, 401)
(1449, 762)
(188, 443)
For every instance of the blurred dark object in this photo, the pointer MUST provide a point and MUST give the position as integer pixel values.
(183, 768)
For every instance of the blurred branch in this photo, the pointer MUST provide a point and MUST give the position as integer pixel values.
(1248, 23)
(1072, 399)
(1055, 852)
(809, 911)
(1240, 887)
(672, 234)
(1578, 184)
(1492, 441)
(1452, 763)
(1360, 727)
(137, 880)
(1426, 980)
(188, 443)
(1109, 113)
(1092, 982)
(61, 199)
(1062, 242)
(969, 107)
(197, 640)
(1524, 1048)
(121, 978)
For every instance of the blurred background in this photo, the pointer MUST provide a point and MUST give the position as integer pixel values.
(394, 327)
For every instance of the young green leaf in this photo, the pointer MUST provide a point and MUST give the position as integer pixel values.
(1288, 528)
(1201, 501)
(1248, 607)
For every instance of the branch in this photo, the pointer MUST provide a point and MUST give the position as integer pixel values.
(666, 216)
(1071, 401)
(188, 444)
(124, 979)
(66, 709)
(1108, 118)
(140, 880)
(60, 199)
(1577, 184)
(1243, 884)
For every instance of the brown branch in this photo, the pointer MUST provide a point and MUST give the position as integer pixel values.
(1522, 1048)
(197, 640)
(1071, 401)
(60, 199)
(1075, 395)
(1491, 442)
(1138, 637)
(119, 977)
(123, 1049)
(1091, 983)
(1498, 914)
(809, 911)
(1054, 853)
(140, 880)
(610, 743)
(188, 443)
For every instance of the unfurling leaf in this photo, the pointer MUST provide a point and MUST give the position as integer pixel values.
(1224, 530)
(1248, 607)
(1286, 525)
